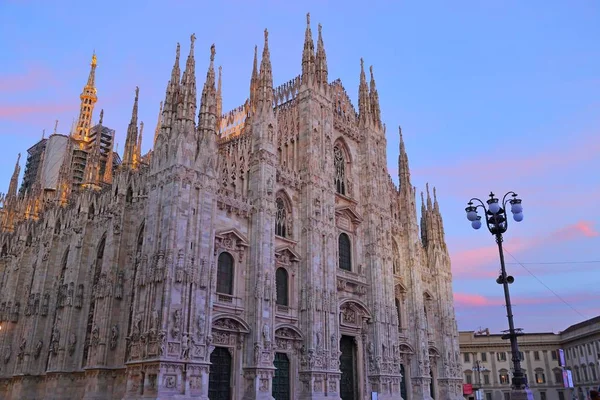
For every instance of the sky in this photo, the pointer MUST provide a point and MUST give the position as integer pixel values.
(491, 96)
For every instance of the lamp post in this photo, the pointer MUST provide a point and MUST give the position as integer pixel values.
(478, 368)
(496, 221)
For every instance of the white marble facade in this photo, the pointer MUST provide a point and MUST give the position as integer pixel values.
(263, 253)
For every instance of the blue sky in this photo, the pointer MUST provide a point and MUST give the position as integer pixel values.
(490, 95)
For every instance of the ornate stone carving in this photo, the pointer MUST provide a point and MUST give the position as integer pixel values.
(95, 338)
(114, 336)
(71, 346)
(38, 349)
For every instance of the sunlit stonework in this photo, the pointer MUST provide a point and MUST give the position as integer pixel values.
(261, 253)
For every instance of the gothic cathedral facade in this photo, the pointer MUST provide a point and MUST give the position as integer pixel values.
(262, 253)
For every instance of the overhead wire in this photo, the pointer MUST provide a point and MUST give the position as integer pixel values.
(542, 283)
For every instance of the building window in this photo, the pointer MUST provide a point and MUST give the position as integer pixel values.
(589, 347)
(585, 374)
(542, 395)
(281, 282)
(558, 378)
(484, 357)
(536, 355)
(554, 355)
(340, 170)
(504, 378)
(486, 379)
(593, 372)
(345, 259)
(488, 395)
(561, 395)
(398, 313)
(577, 375)
(468, 378)
(501, 356)
(581, 351)
(281, 218)
(521, 356)
(540, 377)
(467, 357)
(598, 346)
(506, 395)
(225, 274)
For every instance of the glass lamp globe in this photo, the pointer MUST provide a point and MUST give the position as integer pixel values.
(516, 208)
(494, 206)
(476, 224)
(518, 217)
(472, 215)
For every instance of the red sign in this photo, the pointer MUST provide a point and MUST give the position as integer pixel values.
(467, 388)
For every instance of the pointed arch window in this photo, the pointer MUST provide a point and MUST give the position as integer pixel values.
(281, 218)
(339, 161)
(281, 282)
(398, 313)
(129, 195)
(225, 274)
(344, 249)
(92, 308)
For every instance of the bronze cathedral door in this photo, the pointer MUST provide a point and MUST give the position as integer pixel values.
(219, 378)
(281, 380)
(348, 387)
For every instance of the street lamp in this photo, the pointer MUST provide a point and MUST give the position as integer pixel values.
(496, 221)
(478, 368)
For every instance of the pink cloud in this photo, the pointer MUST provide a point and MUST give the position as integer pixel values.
(468, 263)
(473, 300)
(33, 78)
(22, 112)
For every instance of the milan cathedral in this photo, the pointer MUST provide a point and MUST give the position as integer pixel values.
(260, 253)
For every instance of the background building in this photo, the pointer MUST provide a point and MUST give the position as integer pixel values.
(486, 362)
(254, 254)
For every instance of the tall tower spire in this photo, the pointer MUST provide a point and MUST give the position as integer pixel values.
(14, 180)
(158, 124)
(265, 89)
(219, 99)
(138, 147)
(88, 100)
(129, 154)
(374, 100)
(308, 54)
(364, 106)
(187, 112)
(403, 169)
(171, 97)
(254, 81)
(321, 61)
(207, 125)
(108, 168)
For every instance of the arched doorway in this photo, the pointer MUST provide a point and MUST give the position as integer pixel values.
(348, 387)
(219, 381)
(281, 380)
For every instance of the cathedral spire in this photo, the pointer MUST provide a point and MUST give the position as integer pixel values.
(88, 100)
(14, 180)
(254, 81)
(429, 206)
(158, 124)
(188, 86)
(91, 174)
(265, 89)
(208, 102)
(403, 168)
(138, 148)
(374, 99)
(321, 61)
(129, 154)
(219, 99)
(308, 54)
(171, 97)
(364, 107)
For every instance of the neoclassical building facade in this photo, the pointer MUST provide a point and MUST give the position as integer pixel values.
(261, 253)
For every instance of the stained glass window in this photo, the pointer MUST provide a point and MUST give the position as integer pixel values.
(340, 170)
(345, 252)
(225, 274)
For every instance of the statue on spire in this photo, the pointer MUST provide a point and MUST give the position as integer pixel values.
(213, 51)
